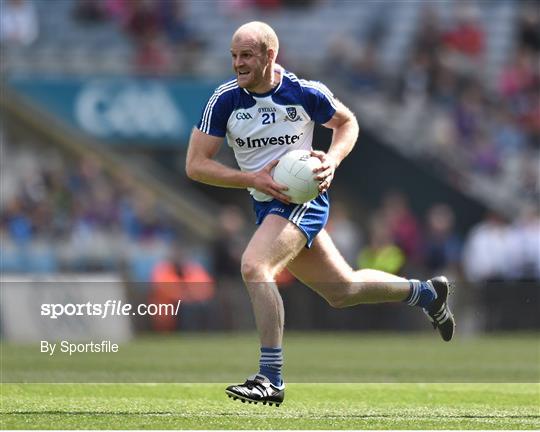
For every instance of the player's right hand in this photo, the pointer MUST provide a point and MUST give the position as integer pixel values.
(264, 182)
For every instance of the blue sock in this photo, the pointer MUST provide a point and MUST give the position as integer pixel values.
(422, 294)
(270, 364)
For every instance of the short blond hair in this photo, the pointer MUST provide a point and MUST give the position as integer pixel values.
(262, 33)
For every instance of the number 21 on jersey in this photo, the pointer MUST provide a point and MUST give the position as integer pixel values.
(268, 118)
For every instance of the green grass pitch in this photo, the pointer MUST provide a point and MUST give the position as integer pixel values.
(365, 381)
(308, 406)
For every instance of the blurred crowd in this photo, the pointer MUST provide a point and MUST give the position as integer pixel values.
(92, 221)
(470, 119)
(164, 40)
(60, 213)
(159, 30)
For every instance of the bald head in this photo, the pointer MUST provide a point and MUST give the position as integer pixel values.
(260, 33)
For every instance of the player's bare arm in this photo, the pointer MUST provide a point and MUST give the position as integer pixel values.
(345, 133)
(201, 167)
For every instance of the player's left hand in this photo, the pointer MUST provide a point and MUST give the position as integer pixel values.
(324, 173)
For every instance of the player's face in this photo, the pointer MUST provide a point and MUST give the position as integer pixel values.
(250, 65)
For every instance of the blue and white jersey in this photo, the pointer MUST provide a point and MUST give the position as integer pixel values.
(263, 127)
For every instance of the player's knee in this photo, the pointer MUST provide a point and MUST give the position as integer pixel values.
(252, 270)
(338, 299)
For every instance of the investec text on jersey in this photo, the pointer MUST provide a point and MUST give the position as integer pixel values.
(263, 142)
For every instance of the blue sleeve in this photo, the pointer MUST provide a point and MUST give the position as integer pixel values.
(320, 102)
(216, 113)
